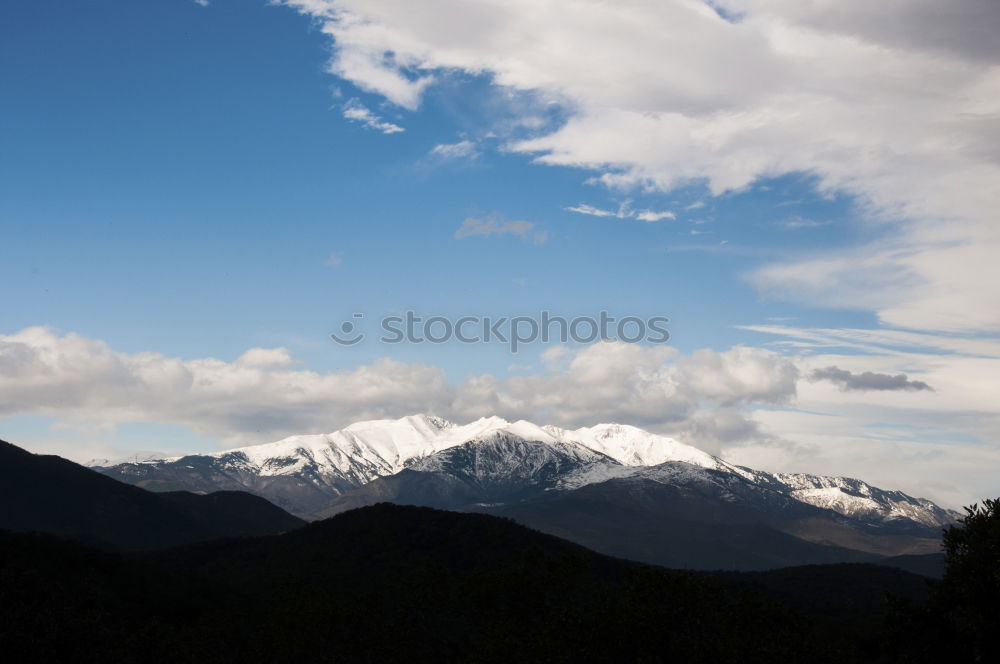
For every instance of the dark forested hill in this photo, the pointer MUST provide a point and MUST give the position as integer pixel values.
(49, 494)
(393, 583)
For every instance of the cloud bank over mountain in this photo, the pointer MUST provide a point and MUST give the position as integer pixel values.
(262, 394)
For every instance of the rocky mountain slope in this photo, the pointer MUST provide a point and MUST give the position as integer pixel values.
(308, 474)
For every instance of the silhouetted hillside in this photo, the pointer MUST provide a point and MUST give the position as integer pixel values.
(235, 513)
(930, 565)
(52, 495)
(839, 590)
(393, 583)
(390, 583)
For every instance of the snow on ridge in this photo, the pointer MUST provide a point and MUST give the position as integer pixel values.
(390, 444)
(853, 497)
(632, 446)
(366, 450)
(418, 434)
(134, 457)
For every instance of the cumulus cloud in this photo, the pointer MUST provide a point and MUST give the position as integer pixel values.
(900, 114)
(358, 112)
(263, 394)
(740, 375)
(868, 380)
(265, 357)
(256, 397)
(494, 225)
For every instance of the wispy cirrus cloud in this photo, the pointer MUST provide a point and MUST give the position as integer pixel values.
(883, 341)
(358, 112)
(584, 208)
(624, 211)
(799, 223)
(464, 149)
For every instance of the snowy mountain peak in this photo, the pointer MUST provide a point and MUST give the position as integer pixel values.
(420, 425)
(632, 446)
(502, 455)
(304, 472)
(390, 444)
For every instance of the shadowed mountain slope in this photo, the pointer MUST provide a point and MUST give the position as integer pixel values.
(675, 514)
(305, 474)
(50, 494)
(391, 583)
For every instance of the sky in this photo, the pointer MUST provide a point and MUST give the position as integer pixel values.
(194, 194)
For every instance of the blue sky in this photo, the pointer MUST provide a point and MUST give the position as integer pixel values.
(181, 175)
(176, 178)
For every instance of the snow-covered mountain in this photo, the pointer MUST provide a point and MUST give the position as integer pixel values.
(678, 514)
(305, 474)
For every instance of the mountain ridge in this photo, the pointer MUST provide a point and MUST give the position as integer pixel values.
(305, 474)
(675, 514)
(49, 494)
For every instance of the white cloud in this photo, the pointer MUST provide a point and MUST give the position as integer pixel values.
(900, 113)
(649, 215)
(584, 208)
(265, 357)
(335, 259)
(358, 112)
(262, 394)
(451, 151)
(883, 341)
(624, 211)
(201, 3)
(556, 357)
(257, 397)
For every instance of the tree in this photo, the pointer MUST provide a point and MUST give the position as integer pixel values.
(969, 595)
